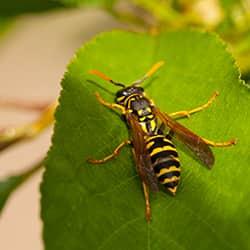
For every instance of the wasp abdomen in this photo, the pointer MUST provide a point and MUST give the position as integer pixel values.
(165, 161)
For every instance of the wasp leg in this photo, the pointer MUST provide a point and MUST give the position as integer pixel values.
(111, 156)
(112, 106)
(187, 113)
(220, 144)
(147, 202)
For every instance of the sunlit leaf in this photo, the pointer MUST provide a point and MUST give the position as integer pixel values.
(102, 207)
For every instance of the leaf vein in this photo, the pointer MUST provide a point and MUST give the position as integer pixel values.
(116, 231)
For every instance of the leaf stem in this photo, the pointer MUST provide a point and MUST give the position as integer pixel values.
(11, 136)
(23, 105)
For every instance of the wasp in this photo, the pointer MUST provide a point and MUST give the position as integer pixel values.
(155, 155)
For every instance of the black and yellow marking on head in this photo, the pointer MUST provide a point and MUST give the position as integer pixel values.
(130, 99)
(121, 98)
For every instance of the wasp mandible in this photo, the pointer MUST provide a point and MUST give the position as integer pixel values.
(154, 152)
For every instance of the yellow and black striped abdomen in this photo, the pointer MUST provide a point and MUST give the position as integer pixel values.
(165, 161)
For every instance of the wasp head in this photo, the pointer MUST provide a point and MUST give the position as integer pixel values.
(125, 93)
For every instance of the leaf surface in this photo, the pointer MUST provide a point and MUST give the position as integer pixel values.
(102, 207)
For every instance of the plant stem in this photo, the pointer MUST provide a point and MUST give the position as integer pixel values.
(23, 105)
(11, 136)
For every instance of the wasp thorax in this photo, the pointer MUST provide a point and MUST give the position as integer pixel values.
(141, 107)
(124, 93)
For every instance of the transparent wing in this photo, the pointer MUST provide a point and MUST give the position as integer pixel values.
(194, 142)
(143, 163)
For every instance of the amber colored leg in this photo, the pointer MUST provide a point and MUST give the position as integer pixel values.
(111, 156)
(220, 144)
(187, 113)
(147, 202)
(112, 106)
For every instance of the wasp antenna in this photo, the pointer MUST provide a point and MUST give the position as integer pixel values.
(106, 78)
(100, 74)
(152, 70)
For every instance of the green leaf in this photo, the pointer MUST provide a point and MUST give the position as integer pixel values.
(7, 186)
(102, 207)
(11, 183)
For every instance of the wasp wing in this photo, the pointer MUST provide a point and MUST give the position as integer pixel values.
(142, 159)
(194, 142)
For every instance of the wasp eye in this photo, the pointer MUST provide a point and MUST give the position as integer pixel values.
(119, 93)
